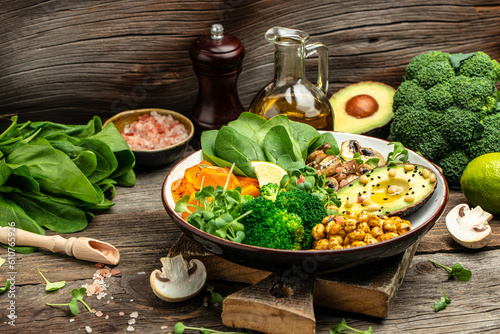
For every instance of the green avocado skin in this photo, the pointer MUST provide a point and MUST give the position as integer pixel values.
(398, 190)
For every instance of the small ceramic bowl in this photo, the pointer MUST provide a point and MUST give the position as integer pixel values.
(156, 157)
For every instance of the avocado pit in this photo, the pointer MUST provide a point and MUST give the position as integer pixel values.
(361, 106)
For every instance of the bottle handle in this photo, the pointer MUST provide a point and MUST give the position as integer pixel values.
(322, 51)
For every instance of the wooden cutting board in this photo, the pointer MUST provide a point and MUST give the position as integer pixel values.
(284, 302)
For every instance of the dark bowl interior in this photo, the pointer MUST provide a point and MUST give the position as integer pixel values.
(314, 261)
(158, 157)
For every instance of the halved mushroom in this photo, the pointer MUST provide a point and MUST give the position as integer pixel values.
(349, 148)
(468, 227)
(178, 280)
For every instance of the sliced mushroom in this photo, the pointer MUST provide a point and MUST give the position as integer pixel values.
(368, 153)
(349, 148)
(363, 169)
(178, 280)
(468, 227)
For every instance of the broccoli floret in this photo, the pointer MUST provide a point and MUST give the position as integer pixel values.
(480, 65)
(439, 97)
(435, 73)
(472, 93)
(409, 93)
(270, 191)
(410, 125)
(268, 226)
(459, 126)
(307, 206)
(489, 141)
(435, 146)
(424, 60)
(453, 165)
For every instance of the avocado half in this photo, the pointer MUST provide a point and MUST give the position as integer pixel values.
(398, 190)
(364, 108)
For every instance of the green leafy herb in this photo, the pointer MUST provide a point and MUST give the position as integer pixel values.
(77, 295)
(6, 287)
(51, 286)
(216, 298)
(342, 327)
(458, 270)
(442, 303)
(179, 328)
(398, 155)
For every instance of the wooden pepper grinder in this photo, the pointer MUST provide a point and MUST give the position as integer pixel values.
(217, 61)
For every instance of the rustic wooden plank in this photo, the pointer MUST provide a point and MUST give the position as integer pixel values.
(69, 61)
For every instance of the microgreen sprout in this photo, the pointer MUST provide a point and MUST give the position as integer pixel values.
(342, 327)
(442, 303)
(180, 328)
(398, 155)
(457, 270)
(77, 295)
(6, 287)
(51, 286)
(215, 297)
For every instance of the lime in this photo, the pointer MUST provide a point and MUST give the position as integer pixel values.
(267, 172)
(480, 182)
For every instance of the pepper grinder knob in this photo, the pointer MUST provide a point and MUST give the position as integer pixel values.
(217, 62)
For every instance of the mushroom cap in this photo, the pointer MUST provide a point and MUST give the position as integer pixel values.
(178, 280)
(469, 228)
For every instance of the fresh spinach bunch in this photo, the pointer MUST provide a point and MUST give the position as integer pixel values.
(252, 138)
(55, 175)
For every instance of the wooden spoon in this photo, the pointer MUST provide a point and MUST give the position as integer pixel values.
(82, 248)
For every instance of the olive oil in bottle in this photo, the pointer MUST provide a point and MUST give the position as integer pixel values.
(290, 93)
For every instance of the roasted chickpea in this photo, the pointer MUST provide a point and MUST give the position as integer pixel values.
(387, 236)
(358, 244)
(390, 226)
(356, 235)
(322, 244)
(364, 227)
(350, 225)
(375, 221)
(403, 227)
(369, 239)
(333, 228)
(318, 231)
(376, 232)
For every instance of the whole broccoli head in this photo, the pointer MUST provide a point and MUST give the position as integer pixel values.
(307, 206)
(438, 111)
(268, 226)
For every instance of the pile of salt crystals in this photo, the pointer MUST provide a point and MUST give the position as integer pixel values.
(154, 131)
(99, 286)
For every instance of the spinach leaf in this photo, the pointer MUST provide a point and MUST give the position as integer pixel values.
(325, 137)
(47, 130)
(106, 162)
(124, 156)
(5, 172)
(247, 123)
(278, 143)
(305, 135)
(54, 171)
(127, 179)
(58, 217)
(86, 161)
(208, 148)
(232, 146)
(11, 212)
(270, 123)
(22, 176)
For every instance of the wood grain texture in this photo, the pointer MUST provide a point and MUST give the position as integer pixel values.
(143, 232)
(67, 61)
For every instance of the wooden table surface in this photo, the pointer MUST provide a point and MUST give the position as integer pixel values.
(142, 230)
